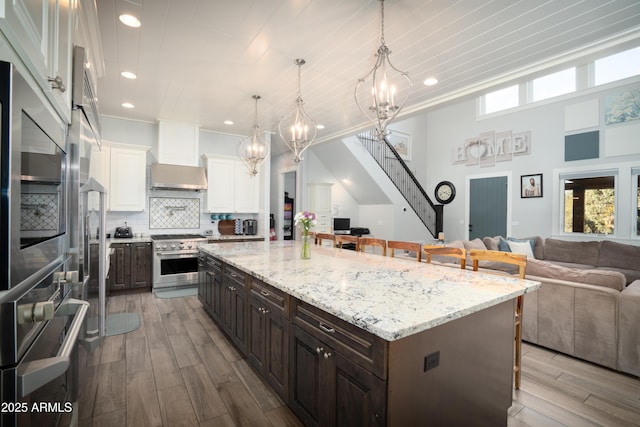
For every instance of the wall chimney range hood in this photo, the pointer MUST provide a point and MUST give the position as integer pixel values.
(177, 177)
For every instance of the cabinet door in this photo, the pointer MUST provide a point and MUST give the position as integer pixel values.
(305, 382)
(128, 179)
(220, 185)
(100, 170)
(202, 274)
(320, 197)
(256, 345)
(217, 298)
(141, 265)
(357, 397)
(247, 190)
(120, 272)
(60, 52)
(276, 369)
(239, 329)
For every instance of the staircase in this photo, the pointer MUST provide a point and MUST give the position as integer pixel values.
(399, 173)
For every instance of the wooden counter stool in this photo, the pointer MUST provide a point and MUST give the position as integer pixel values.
(407, 246)
(458, 253)
(324, 236)
(520, 261)
(345, 238)
(372, 241)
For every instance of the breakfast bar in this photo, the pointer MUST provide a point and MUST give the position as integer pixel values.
(348, 338)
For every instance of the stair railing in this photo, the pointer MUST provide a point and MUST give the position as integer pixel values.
(397, 170)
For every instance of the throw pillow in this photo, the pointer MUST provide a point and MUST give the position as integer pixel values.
(521, 248)
(532, 242)
(492, 242)
(503, 245)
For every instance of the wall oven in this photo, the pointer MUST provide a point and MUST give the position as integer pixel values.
(38, 353)
(33, 169)
(175, 260)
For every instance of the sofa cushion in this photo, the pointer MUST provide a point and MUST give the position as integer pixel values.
(609, 279)
(574, 252)
(521, 248)
(619, 255)
(630, 275)
(498, 243)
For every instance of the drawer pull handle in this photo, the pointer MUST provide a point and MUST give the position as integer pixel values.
(233, 274)
(319, 349)
(326, 328)
(231, 288)
(265, 293)
(327, 355)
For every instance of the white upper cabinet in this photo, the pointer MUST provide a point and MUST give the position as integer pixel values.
(231, 187)
(41, 33)
(178, 143)
(128, 178)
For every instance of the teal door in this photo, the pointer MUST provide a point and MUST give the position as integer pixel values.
(488, 207)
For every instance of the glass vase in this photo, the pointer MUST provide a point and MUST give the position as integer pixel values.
(306, 247)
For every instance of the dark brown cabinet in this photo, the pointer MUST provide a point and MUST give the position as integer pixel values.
(131, 266)
(328, 388)
(268, 344)
(234, 306)
(210, 285)
(330, 372)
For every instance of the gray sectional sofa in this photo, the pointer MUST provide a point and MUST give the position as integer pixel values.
(589, 303)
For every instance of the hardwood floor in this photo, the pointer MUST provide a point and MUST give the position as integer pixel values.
(178, 369)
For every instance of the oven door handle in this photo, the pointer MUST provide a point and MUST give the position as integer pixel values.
(177, 254)
(35, 374)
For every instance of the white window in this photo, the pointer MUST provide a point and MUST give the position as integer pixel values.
(501, 99)
(589, 203)
(554, 84)
(617, 67)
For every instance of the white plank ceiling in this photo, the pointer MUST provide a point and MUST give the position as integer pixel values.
(200, 61)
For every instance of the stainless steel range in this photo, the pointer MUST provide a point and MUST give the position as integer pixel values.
(175, 260)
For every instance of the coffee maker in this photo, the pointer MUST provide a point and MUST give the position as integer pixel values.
(250, 226)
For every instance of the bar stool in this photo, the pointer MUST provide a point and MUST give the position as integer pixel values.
(324, 236)
(458, 253)
(520, 261)
(345, 238)
(407, 246)
(372, 241)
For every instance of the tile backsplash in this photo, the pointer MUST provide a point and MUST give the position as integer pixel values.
(169, 212)
(39, 211)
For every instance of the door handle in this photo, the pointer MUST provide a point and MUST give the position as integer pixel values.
(470, 227)
(33, 375)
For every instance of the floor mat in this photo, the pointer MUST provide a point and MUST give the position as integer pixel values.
(116, 323)
(177, 293)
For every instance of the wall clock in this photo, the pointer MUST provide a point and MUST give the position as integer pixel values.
(445, 192)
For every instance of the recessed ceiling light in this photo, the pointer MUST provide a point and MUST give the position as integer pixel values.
(128, 75)
(228, 122)
(430, 81)
(319, 126)
(129, 20)
(128, 105)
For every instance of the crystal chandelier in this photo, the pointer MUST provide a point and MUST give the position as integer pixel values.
(298, 130)
(254, 150)
(384, 90)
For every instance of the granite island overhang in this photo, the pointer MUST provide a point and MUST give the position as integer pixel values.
(418, 310)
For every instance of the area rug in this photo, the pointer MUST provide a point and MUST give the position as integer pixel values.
(116, 323)
(177, 293)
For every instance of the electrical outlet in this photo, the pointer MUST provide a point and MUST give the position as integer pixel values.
(431, 361)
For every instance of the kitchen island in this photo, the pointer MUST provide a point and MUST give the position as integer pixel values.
(350, 338)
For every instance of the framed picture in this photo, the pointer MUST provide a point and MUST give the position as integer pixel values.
(531, 186)
(401, 141)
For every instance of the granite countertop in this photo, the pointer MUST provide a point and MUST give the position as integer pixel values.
(389, 297)
(223, 237)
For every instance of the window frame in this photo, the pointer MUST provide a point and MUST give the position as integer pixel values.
(561, 176)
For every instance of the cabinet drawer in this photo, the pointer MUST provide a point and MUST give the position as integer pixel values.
(358, 345)
(277, 300)
(214, 263)
(235, 275)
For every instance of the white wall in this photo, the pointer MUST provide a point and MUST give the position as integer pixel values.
(451, 125)
(123, 131)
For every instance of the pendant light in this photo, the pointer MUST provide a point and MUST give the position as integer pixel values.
(384, 90)
(254, 149)
(298, 130)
